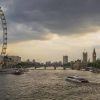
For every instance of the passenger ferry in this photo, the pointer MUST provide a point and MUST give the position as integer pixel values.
(77, 79)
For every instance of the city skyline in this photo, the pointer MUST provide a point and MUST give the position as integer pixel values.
(85, 58)
(47, 29)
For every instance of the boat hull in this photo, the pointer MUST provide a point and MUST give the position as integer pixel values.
(77, 79)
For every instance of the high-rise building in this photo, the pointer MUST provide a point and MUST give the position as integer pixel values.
(85, 57)
(65, 60)
(94, 56)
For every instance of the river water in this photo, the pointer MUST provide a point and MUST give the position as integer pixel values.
(49, 85)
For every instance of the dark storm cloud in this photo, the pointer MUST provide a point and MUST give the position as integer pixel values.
(63, 17)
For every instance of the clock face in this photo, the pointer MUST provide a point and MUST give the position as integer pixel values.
(94, 55)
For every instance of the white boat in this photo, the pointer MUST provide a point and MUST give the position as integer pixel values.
(77, 79)
(18, 72)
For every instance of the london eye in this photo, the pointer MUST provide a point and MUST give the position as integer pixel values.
(4, 28)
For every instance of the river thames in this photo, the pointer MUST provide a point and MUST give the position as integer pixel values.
(49, 85)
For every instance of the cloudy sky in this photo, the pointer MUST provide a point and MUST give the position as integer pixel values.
(49, 29)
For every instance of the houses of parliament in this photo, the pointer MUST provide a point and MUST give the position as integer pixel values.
(85, 57)
(78, 64)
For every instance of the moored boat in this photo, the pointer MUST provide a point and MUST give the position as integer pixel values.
(18, 72)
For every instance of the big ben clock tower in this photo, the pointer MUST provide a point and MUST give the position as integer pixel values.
(94, 56)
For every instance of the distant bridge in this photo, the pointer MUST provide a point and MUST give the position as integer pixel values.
(48, 68)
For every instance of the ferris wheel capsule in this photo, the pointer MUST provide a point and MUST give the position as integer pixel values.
(4, 28)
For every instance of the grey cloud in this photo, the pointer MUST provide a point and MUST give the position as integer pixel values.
(22, 32)
(63, 17)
